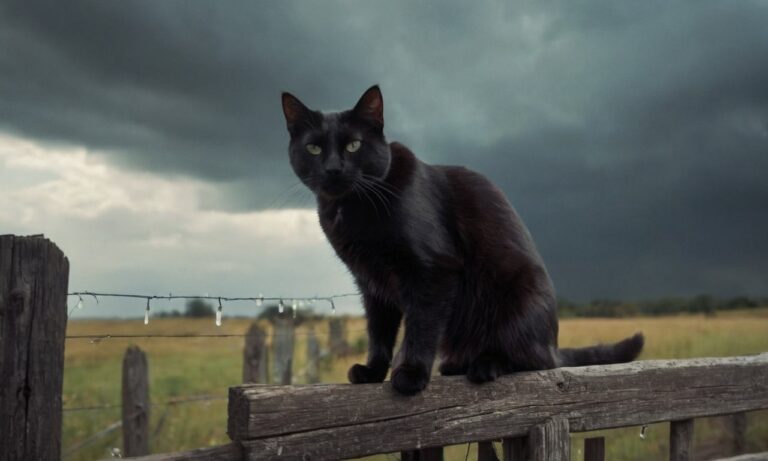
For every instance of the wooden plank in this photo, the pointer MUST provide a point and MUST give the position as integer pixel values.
(594, 449)
(748, 457)
(136, 404)
(337, 336)
(312, 368)
(33, 319)
(515, 448)
(738, 423)
(255, 361)
(229, 452)
(681, 440)
(332, 421)
(425, 454)
(486, 452)
(283, 342)
(550, 441)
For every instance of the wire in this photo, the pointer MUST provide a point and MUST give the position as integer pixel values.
(170, 296)
(95, 338)
(190, 399)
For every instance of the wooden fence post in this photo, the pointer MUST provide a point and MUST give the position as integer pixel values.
(34, 275)
(681, 440)
(594, 449)
(313, 357)
(255, 361)
(515, 448)
(282, 345)
(739, 431)
(550, 441)
(486, 452)
(337, 336)
(425, 454)
(135, 403)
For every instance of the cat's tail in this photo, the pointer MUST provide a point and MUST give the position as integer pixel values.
(625, 350)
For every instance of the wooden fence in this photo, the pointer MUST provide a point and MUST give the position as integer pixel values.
(533, 413)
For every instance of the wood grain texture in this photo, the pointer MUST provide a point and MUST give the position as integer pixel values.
(255, 362)
(335, 421)
(33, 319)
(550, 441)
(136, 404)
(738, 426)
(515, 449)
(594, 449)
(748, 457)
(681, 440)
(486, 452)
(283, 343)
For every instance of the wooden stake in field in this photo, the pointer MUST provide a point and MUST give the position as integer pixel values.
(33, 319)
(255, 356)
(136, 403)
(282, 344)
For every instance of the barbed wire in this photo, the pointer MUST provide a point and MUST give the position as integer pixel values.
(174, 401)
(95, 338)
(295, 301)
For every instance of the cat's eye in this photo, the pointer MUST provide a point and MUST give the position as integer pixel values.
(353, 146)
(314, 149)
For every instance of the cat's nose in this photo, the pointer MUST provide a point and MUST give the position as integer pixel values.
(333, 171)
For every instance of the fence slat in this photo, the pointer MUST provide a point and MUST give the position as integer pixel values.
(136, 403)
(255, 361)
(337, 336)
(283, 342)
(594, 449)
(515, 449)
(485, 452)
(550, 441)
(425, 454)
(681, 440)
(739, 432)
(33, 319)
(313, 358)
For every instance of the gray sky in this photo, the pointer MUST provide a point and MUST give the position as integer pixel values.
(147, 139)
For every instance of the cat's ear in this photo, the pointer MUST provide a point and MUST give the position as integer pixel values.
(295, 111)
(371, 106)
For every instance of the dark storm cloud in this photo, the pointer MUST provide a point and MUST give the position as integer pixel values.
(632, 136)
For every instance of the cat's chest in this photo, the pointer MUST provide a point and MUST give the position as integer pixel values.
(362, 241)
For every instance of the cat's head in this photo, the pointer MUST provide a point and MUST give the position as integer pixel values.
(333, 153)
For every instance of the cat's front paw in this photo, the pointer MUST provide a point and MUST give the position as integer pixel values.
(362, 374)
(410, 379)
(484, 369)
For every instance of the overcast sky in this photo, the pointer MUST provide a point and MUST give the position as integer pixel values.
(146, 138)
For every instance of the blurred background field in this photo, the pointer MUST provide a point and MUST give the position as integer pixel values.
(184, 368)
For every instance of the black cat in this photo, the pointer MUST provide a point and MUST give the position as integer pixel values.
(438, 245)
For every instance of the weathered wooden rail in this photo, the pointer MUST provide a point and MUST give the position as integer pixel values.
(533, 412)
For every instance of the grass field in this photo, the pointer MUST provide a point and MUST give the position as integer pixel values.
(207, 366)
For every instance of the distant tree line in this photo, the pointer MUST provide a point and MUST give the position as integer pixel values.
(701, 304)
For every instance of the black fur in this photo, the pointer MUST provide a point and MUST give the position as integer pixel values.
(437, 246)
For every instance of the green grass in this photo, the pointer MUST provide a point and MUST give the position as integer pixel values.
(207, 366)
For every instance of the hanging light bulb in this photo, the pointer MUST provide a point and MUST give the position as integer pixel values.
(218, 314)
(146, 314)
(280, 307)
(333, 306)
(294, 306)
(79, 302)
(643, 430)
(259, 300)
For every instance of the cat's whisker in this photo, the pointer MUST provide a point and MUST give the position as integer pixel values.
(384, 202)
(362, 190)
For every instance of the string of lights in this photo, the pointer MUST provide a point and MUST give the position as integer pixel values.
(294, 302)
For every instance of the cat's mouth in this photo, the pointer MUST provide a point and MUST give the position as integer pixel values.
(336, 187)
